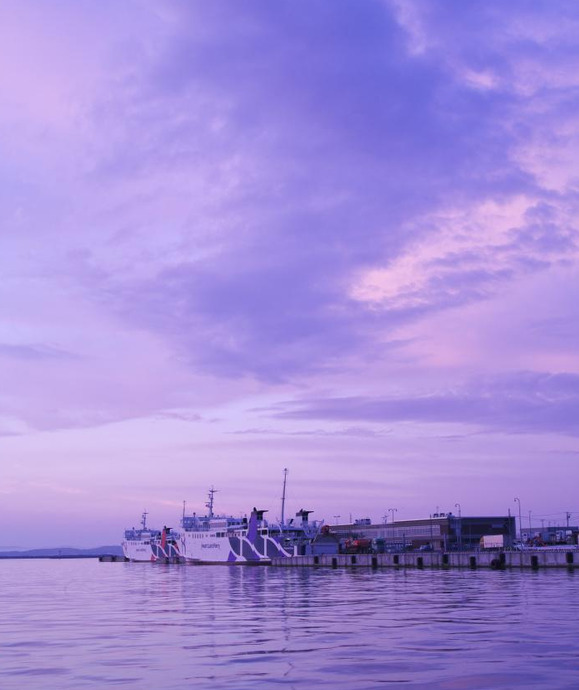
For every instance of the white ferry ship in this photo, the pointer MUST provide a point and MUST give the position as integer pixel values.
(147, 544)
(226, 539)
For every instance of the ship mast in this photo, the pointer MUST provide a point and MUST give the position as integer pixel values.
(144, 519)
(209, 503)
(285, 471)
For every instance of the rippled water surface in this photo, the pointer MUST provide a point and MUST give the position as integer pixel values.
(85, 624)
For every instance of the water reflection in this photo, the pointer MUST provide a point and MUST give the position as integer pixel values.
(75, 624)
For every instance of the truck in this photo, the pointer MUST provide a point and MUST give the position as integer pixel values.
(357, 546)
(492, 541)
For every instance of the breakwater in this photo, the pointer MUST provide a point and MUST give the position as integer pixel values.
(494, 560)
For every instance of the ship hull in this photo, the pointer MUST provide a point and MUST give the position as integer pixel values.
(138, 552)
(158, 549)
(239, 550)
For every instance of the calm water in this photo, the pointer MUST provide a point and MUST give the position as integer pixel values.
(84, 624)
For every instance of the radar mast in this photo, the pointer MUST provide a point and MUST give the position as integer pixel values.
(209, 504)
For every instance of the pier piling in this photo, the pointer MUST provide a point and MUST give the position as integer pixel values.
(492, 560)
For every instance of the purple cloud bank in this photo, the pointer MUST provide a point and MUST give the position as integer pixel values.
(315, 232)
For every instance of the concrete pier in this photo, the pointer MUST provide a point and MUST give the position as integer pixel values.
(494, 560)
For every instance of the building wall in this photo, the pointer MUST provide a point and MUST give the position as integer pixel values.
(449, 532)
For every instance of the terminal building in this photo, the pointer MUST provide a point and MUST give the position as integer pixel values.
(441, 531)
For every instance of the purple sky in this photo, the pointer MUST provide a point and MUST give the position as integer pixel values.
(336, 236)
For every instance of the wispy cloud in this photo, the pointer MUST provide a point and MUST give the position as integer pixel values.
(359, 432)
(520, 403)
(37, 351)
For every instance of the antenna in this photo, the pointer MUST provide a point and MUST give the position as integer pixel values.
(209, 503)
(285, 473)
(183, 509)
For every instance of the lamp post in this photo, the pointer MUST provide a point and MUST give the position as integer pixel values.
(336, 517)
(518, 500)
(530, 528)
(392, 511)
(457, 505)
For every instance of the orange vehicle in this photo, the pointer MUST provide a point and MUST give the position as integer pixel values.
(358, 546)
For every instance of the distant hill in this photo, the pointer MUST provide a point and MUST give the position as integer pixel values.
(65, 552)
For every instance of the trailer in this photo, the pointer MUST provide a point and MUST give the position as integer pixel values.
(492, 541)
